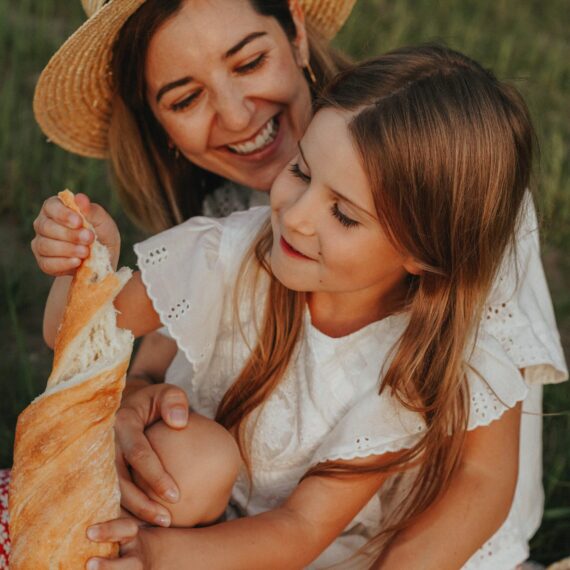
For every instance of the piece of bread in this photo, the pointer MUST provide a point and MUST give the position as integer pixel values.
(64, 477)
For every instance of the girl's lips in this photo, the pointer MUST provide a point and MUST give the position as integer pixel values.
(291, 251)
(264, 153)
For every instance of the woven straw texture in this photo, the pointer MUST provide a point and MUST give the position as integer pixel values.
(72, 101)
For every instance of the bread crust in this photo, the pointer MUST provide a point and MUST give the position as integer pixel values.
(64, 477)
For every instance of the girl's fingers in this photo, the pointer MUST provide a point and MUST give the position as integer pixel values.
(59, 266)
(48, 247)
(137, 502)
(52, 229)
(55, 209)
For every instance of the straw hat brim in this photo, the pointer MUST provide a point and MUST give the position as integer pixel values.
(73, 96)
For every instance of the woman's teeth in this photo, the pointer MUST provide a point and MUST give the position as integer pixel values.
(263, 139)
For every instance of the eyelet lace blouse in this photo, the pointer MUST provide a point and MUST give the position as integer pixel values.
(327, 405)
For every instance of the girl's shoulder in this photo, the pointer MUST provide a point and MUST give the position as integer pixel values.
(378, 422)
(189, 270)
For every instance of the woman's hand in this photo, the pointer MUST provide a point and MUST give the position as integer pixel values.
(130, 536)
(62, 243)
(139, 410)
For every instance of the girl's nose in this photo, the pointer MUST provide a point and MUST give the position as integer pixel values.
(299, 215)
(234, 109)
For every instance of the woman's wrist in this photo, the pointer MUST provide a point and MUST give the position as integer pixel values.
(136, 382)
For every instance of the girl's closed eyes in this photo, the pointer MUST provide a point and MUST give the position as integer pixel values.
(346, 221)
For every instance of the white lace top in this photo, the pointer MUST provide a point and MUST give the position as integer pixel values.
(327, 405)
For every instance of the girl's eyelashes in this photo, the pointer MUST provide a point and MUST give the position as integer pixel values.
(252, 65)
(343, 218)
(186, 102)
(298, 173)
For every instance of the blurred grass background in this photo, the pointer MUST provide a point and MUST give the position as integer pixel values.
(526, 41)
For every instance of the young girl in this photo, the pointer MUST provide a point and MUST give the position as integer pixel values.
(343, 351)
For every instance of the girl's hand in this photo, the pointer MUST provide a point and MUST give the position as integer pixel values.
(61, 243)
(139, 410)
(127, 533)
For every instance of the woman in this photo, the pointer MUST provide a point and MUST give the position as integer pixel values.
(168, 157)
(222, 100)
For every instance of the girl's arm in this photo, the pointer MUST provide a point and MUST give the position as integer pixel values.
(151, 361)
(473, 508)
(288, 537)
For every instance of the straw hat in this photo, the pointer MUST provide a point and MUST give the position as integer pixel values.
(72, 102)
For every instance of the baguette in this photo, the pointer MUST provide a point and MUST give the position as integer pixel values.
(64, 477)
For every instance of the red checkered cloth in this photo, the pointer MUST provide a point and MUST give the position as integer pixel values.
(4, 535)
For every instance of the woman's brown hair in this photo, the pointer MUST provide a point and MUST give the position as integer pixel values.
(447, 150)
(157, 188)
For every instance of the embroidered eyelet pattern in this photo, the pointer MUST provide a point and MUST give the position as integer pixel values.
(504, 539)
(155, 256)
(362, 442)
(179, 310)
(501, 312)
(485, 404)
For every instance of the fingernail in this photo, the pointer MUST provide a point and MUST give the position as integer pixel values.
(162, 520)
(74, 220)
(178, 416)
(92, 533)
(93, 564)
(172, 495)
(85, 235)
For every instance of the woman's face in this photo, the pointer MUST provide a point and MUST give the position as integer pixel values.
(228, 87)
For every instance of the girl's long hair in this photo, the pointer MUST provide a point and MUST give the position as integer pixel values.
(447, 149)
(157, 188)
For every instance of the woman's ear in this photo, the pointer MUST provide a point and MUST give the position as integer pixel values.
(301, 41)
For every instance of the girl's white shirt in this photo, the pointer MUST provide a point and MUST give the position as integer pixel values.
(327, 405)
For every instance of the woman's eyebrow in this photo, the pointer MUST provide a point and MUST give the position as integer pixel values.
(232, 51)
(172, 85)
(242, 43)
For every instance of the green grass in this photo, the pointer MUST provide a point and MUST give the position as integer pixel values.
(525, 41)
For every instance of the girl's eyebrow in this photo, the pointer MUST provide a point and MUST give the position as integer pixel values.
(232, 51)
(337, 193)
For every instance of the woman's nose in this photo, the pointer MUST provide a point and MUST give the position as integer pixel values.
(234, 109)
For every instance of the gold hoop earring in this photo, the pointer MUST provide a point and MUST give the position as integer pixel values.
(311, 73)
(174, 151)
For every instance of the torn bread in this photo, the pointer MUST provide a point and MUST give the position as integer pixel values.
(64, 477)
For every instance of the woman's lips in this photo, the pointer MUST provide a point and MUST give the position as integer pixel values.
(265, 152)
(291, 251)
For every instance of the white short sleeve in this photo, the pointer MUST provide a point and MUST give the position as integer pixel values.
(519, 311)
(183, 277)
(379, 423)
(190, 270)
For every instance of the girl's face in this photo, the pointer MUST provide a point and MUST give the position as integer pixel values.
(228, 87)
(326, 233)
